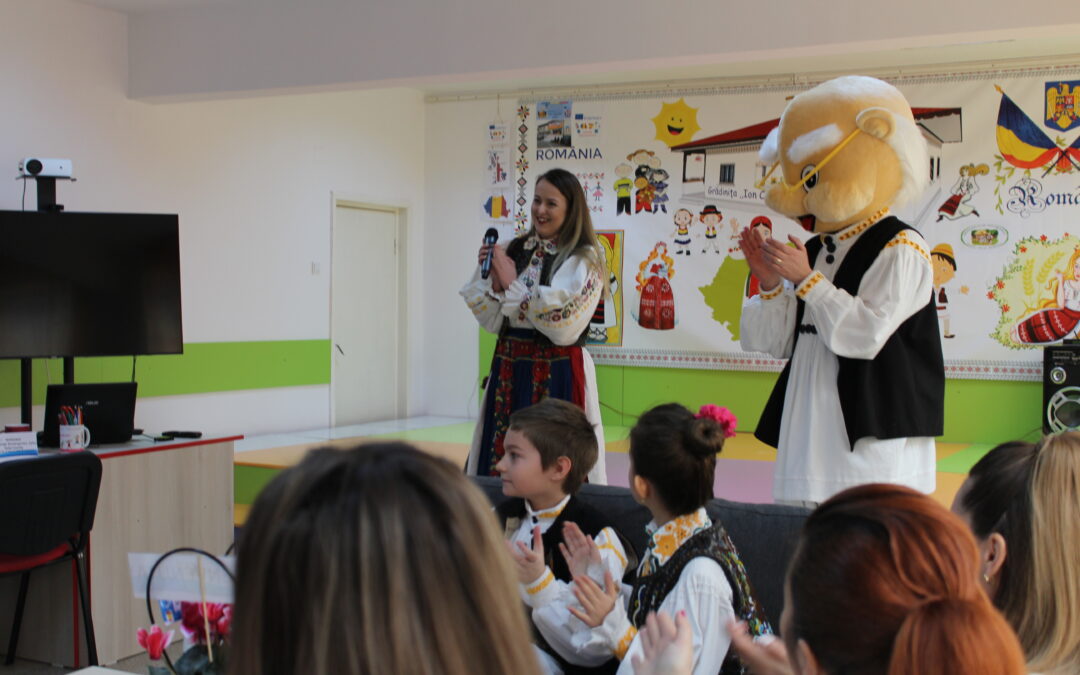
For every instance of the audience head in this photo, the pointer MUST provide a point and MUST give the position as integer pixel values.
(1049, 628)
(995, 502)
(885, 582)
(548, 442)
(379, 559)
(673, 454)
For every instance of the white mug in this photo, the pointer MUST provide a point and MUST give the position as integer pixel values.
(74, 437)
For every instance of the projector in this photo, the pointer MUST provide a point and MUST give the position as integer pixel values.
(36, 167)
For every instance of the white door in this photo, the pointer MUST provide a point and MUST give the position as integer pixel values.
(364, 316)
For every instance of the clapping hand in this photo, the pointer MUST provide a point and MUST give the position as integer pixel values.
(753, 247)
(667, 647)
(529, 563)
(596, 602)
(764, 657)
(578, 550)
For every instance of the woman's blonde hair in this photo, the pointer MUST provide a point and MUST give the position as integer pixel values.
(1050, 628)
(378, 559)
(577, 234)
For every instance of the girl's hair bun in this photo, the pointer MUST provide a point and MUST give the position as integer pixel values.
(705, 434)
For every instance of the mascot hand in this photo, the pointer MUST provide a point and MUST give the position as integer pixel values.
(789, 262)
(751, 244)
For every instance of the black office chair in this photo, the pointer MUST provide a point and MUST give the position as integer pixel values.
(48, 505)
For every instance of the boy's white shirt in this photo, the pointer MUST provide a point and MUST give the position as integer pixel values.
(702, 591)
(549, 598)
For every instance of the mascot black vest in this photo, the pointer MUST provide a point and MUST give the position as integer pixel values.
(899, 393)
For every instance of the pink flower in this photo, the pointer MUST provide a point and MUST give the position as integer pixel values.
(153, 641)
(192, 619)
(225, 622)
(724, 417)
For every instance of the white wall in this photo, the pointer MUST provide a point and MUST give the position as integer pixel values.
(251, 179)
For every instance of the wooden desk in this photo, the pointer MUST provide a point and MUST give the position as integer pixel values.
(154, 497)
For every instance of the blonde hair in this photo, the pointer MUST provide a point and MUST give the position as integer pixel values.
(1049, 630)
(378, 559)
(653, 255)
(1068, 275)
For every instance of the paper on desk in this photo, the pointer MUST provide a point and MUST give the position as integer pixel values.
(177, 577)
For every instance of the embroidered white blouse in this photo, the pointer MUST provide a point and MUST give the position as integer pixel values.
(815, 459)
(549, 597)
(702, 591)
(561, 310)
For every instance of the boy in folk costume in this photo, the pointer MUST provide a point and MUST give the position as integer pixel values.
(710, 216)
(862, 397)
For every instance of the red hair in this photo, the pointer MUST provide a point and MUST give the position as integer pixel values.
(885, 580)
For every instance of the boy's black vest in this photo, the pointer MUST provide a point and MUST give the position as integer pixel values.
(521, 256)
(649, 592)
(900, 392)
(512, 512)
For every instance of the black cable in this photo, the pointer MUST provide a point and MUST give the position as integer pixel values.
(24, 194)
(133, 367)
(150, 578)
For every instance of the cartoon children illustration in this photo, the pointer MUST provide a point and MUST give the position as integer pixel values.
(944, 263)
(762, 226)
(656, 308)
(684, 218)
(598, 192)
(959, 203)
(711, 218)
(1059, 315)
(606, 314)
(623, 186)
(659, 179)
(645, 192)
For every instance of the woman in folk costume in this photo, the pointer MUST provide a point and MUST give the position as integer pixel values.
(656, 309)
(539, 298)
(862, 396)
(1060, 314)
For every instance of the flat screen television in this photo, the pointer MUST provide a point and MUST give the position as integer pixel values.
(89, 284)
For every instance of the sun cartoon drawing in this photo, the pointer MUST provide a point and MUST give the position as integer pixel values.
(676, 123)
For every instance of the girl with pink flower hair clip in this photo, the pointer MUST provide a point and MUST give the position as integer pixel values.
(690, 568)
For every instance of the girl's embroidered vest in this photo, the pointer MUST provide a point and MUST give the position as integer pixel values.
(521, 257)
(591, 521)
(714, 543)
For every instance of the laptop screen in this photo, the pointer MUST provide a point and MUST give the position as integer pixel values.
(108, 410)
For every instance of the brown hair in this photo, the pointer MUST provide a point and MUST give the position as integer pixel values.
(996, 499)
(885, 581)
(1049, 630)
(577, 234)
(559, 429)
(676, 452)
(378, 559)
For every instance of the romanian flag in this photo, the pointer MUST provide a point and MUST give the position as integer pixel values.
(1020, 140)
(496, 207)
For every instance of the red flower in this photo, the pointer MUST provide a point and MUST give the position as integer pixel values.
(1005, 308)
(990, 295)
(1042, 237)
(153, 641)
(1000, 284)
(192, 619)
(1023, 249)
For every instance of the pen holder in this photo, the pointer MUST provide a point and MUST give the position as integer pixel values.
(74, 437)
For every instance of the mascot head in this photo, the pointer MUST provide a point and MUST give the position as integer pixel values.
(847, 148)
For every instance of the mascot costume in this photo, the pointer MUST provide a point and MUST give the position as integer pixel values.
(862, 396)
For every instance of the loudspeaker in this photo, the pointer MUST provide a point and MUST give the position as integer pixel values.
(1061, 387)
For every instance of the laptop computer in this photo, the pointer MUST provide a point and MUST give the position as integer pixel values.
(108, 410)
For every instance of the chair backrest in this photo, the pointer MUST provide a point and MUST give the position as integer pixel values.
(764, 534)
(47, 500)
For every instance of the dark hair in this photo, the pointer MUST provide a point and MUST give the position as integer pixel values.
(350, 558)
(676, 452)
(577, 233)
(997, 499)
(947, 258)
(885, 581)
(559, 429)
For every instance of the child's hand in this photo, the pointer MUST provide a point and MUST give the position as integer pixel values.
(667, 647)
(529, 562)
(596, 602)
(763, 657)
(578, 550)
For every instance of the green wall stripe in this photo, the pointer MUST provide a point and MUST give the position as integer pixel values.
(961, 462)
(976, 411)
(203, 367)
(248, 482)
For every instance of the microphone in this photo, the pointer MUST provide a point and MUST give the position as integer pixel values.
(490, 237)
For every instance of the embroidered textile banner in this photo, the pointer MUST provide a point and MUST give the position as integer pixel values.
(671, 178)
